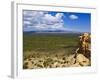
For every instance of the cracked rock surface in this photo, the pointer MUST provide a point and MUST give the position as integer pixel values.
(56, 62)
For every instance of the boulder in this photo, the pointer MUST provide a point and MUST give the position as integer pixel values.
(28, 65)
(82, 60)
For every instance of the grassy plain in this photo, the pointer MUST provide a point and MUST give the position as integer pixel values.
(35, 44)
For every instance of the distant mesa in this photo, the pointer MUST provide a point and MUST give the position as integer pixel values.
(52, 31)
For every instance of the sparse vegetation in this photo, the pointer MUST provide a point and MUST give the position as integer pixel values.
(49, 50)
(49, 43)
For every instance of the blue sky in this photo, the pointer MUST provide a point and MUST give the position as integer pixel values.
(66, 21)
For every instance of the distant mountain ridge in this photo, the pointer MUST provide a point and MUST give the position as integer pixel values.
(53, 31)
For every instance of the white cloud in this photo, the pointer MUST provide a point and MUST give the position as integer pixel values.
(27, 23)
(33, 13)
(73, 17)
(59, 15)
(38, 20)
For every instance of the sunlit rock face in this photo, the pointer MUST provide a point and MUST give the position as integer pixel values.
(85, 45)
(82, 60)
